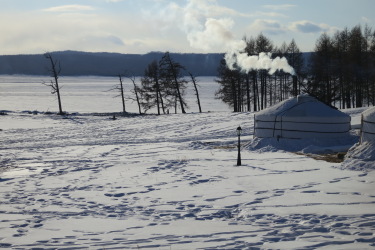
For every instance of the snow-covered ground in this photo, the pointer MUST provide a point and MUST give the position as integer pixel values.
(171, 182)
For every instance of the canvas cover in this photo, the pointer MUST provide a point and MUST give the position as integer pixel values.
(301, 117)
(368, 125)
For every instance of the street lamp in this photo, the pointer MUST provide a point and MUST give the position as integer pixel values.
(239, 130)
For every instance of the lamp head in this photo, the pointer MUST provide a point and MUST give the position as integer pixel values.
(239, 130)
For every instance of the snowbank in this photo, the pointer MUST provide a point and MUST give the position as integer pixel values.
(360, 157)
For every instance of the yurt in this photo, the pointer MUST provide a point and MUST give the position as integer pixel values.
(368, 125)
(301, 117)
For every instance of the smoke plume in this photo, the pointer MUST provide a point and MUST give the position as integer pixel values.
(208, 33)
(263, 61)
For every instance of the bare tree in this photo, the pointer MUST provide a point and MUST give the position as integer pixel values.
(54, 84)
(194, 80)
(120, 89)
(136, 91)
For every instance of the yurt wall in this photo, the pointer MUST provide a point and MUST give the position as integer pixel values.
(368, 125)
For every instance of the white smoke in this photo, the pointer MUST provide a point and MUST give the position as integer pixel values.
(209, 33)
(263, 61)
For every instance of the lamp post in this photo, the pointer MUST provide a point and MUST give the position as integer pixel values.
(239, 130)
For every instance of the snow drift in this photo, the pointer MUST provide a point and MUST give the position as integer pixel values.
(362, 155)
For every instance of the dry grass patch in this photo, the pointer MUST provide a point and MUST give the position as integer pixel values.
(334, 157)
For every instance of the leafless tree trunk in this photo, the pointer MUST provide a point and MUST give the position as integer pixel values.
(55, 71)
(194, 80)
(248, 101)
(121, 88)
(136, 90)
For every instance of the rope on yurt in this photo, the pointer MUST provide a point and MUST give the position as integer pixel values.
(361, 128)
(366, 132)
(368, 122)
(281, 114)
(318, 132)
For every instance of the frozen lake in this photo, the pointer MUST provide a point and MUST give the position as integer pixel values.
(90, 94)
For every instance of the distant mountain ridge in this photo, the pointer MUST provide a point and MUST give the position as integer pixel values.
(77, 63)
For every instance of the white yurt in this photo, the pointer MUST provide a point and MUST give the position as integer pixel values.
(301, 117)
(368, 125)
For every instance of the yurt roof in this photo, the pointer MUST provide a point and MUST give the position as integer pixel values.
(369, 114)
(302, 107)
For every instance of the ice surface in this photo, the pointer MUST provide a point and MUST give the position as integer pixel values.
(90, 94)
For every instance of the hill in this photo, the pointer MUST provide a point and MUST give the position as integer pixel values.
(75, 63)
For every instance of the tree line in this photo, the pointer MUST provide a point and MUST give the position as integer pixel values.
(340, 72)
(343, 68)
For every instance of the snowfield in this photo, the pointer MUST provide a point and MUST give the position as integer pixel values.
(171, 182)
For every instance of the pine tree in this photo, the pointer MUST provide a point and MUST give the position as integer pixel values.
(295, 59)
(172, 81)
(232, 87)
(322, 69)
(151, 90)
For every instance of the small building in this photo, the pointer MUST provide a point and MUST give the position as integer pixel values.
(301, 117)
(368, 125)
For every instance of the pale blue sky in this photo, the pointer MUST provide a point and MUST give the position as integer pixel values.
(141, 26)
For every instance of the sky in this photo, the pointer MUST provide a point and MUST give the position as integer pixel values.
(184, 26)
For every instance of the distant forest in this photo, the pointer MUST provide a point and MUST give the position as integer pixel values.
(340, 72)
